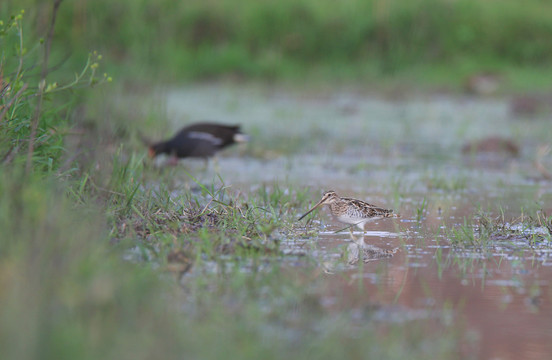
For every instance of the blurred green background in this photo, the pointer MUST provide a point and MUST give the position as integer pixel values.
(420, 41)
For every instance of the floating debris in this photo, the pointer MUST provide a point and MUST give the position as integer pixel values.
(482, 84)
(180, 261)
(530, 105)
(492, 144)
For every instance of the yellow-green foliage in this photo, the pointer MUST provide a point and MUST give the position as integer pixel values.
(29, 98)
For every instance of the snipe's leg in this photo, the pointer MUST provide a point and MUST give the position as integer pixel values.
(358, 241)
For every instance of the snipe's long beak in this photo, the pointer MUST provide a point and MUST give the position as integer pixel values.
(311, 210)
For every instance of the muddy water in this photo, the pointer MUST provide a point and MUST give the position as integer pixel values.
(503, 295)
(403, 154)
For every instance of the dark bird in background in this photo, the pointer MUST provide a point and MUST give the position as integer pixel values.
(201, 140)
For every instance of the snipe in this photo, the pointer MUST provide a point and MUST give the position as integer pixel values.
(201, 140)
(351, 211)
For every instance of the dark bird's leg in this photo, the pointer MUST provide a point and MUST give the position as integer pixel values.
(173, 160)
(216, 166)
(206, 164)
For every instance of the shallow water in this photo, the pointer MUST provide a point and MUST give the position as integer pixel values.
(402, 154)
(502, 294)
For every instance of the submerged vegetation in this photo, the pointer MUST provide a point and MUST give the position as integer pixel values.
(526, 231)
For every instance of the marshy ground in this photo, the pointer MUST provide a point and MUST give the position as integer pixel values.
(472, 269)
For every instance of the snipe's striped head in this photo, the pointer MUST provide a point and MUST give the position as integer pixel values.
(327, 198)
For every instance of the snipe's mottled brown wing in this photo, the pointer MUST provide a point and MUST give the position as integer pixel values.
(370, 210)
